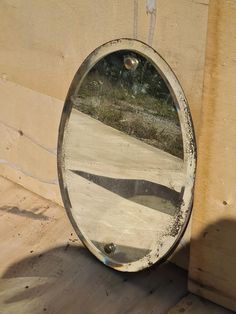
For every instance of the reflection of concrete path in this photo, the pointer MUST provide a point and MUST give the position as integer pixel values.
(96, 148)
(105, 216)
(136, 190)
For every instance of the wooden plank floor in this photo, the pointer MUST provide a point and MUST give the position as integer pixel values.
(45, 269)
(192, 304)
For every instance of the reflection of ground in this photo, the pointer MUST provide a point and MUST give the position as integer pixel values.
(95, 148)
(101, 205)
(160, 129)
(107, 217)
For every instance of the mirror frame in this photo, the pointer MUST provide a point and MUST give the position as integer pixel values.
(173, 236)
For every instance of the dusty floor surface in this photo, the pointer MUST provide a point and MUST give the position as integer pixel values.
(45, 269)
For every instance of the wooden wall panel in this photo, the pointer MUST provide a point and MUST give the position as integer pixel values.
(42, 44)
(213, 250)
(28, 128)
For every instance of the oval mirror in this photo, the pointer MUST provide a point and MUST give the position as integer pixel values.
(126, 156)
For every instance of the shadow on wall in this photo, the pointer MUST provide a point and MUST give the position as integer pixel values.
(213, 261)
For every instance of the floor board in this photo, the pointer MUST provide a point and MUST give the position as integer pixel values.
(45, 269)
(192, 304)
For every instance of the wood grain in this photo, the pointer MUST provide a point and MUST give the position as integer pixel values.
(192, 304)
(29, 129)
(43, 43)
(44, 267)
(213, 253)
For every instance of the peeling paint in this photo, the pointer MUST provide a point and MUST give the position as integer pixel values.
(151, 9)
(135, 26)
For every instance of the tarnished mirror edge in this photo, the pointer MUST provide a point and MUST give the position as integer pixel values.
(174, 235)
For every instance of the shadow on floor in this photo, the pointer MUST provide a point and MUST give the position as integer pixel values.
(68, 279)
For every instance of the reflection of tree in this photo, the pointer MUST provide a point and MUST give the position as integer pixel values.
(144, 80)
(136, 102)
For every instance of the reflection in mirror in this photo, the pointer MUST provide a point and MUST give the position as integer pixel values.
(132, 98)
(123, 157)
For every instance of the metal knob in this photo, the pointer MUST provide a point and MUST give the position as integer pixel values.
(131, 63)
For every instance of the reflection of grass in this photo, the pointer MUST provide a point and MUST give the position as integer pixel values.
(102, 87)
(133, 124)
(152, 120)
(90, 110)
(109, 116)
(171, 144)
(157, 107)
(138, 129)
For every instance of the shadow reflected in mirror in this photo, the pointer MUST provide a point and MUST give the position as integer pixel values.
(143, 192)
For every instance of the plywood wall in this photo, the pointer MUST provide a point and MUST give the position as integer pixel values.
(42, 44)
(212, 271)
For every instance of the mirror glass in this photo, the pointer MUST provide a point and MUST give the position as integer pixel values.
(123, 159)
